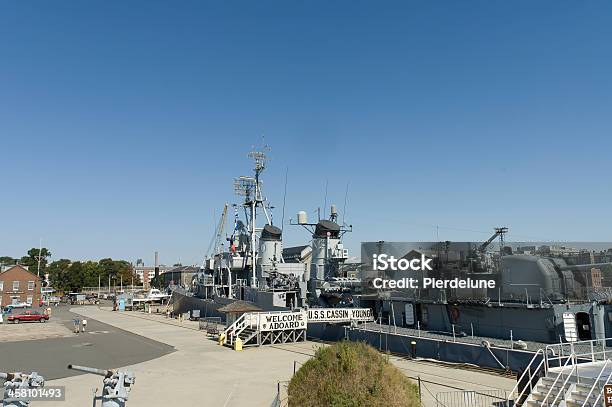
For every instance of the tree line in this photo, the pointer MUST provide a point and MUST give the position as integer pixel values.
(68, 275)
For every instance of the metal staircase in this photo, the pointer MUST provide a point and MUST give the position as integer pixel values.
(254, 329)
(246, 327)
(572, 375)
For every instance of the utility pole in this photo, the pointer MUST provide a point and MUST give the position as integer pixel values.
(39, 260)
(39, 257)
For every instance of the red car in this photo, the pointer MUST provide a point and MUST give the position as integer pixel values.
(28, 316)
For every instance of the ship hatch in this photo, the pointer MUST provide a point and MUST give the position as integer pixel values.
(583, 326)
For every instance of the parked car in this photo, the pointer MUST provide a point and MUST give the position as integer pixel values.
(19, 305)
(28, 316)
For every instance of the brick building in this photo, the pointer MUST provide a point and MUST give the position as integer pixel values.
(17, 284)
(147, 273)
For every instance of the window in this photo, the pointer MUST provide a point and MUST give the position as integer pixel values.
(29, 299)
(1, 285)
(15, 285)
(30, 285)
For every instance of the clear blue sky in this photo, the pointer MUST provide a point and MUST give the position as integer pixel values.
(123, 123)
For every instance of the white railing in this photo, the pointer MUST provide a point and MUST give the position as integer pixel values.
(247, 320)
(562, 390)
(552, 386)
(601, 392)
(595, 383)
(239, 325)
(528, 372)
(564, 354)
(593, 349)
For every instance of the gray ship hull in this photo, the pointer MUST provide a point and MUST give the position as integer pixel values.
(184, 302)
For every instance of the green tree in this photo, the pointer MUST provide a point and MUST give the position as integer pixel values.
(118, 270)
(31, 259)
(91, 270)
(6, 261)
(58, 274)
(75, 278)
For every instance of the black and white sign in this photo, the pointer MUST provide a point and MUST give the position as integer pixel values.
(340, 314)
(282, 321)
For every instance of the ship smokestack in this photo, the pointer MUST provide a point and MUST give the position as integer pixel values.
(157, 267)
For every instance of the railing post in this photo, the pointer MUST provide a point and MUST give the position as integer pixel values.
(530, 379)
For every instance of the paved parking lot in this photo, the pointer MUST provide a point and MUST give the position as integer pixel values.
(102, 346)
(25, 331)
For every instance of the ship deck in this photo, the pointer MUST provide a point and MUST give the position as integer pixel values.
(532, 346)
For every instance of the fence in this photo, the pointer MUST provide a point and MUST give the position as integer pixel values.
(212, 325)
(467, 398)
(112, 289)
(281, 399)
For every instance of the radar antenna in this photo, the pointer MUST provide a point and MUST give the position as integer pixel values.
(251, 189)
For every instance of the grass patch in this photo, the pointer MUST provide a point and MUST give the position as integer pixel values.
(351, 374)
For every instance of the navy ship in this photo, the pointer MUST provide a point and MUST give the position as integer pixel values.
(540, 293)
(247, 264)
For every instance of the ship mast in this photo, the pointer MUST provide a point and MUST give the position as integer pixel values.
(251, 189)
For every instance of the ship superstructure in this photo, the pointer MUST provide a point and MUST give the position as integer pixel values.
(327, 286)
(248, 264)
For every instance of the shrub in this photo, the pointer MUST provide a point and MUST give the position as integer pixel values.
(350, 374)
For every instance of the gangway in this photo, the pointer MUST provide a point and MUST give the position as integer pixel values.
(268, 328)
(265, 328)
(571, 374)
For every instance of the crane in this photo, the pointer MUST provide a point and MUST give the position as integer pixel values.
(498, 232)
(215, 243)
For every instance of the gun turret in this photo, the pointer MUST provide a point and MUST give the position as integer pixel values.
(116, 385)
(16, 381)
(92, 370)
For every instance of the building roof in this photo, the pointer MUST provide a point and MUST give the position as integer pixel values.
(184, 269)
(240, 306)
(22, 268)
